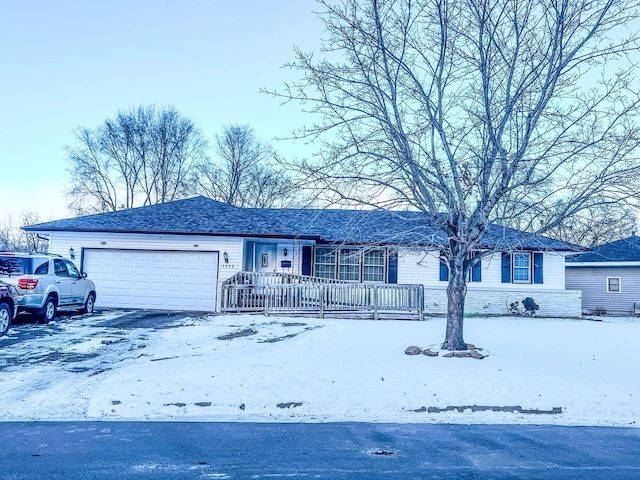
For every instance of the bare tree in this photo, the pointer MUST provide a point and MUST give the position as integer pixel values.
(6, 235)
(12, 238)
(597, 225)
(485, 110)
(244, 173)
(140, 157)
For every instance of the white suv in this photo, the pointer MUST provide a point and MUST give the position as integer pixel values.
(45, 282)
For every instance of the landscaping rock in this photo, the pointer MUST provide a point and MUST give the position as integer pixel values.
(477, 355)
(474, 353)
(413, 350)
(458, 354)
(430, 353)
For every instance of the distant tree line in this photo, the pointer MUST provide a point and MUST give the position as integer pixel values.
(13, 239)
(149, 155)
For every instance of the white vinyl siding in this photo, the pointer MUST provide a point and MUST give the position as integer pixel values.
(424, 267)
(490, 296)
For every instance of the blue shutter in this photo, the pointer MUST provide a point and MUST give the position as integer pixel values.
(476, 272)
(506, 267)
(392, 268)
(306, 259)
(537, 267)
(444, 271)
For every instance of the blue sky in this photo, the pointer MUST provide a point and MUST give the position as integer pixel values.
(73, 63)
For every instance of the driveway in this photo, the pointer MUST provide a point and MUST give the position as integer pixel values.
(33, 343)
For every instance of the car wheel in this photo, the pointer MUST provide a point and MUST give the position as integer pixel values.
(5, 318)
(49, 310)
(89, 305)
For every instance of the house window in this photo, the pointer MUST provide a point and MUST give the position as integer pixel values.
(521, 268)
(325, 263)
(354, 264)
(349, 264)
(373, 266)
(613, 285)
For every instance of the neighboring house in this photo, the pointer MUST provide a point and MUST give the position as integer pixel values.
(176, 255)
(609, 277)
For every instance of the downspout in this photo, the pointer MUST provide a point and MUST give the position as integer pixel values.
(254, 256)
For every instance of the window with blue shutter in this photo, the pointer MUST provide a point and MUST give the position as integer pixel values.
(506, 267)
(475, 275)
(306, 259)
(476, 271)
(522, 267)
(392, 267)
(444, 270)
(537, 267)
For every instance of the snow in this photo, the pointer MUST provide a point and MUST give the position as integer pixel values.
(324, 370)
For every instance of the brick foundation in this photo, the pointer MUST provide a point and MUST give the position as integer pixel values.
(567, 303)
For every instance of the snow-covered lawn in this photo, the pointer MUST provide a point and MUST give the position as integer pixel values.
(255, 368)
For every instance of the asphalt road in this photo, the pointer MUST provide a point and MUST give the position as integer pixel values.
(130, 450)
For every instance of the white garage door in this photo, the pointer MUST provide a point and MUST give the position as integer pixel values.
(153, 279)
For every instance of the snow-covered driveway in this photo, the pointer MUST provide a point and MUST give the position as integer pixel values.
(254, 368)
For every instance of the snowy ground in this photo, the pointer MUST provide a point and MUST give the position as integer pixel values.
(272, 369)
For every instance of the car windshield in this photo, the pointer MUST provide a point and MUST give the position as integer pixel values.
(11, 266)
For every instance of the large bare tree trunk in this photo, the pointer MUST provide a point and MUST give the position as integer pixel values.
(456, 293)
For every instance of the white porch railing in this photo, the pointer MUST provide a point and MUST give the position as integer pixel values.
(285, 293)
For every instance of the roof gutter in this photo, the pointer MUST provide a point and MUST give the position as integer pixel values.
(173, 232)
(619, 263)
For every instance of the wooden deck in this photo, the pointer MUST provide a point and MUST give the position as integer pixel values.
(286, 294)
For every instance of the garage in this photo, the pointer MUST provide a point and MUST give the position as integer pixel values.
(180, 280)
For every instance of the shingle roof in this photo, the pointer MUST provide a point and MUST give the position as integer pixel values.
(625, 250)
(203, 216)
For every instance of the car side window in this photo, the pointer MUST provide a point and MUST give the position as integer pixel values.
(60, 268)
(73, 271)
(43, 268)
